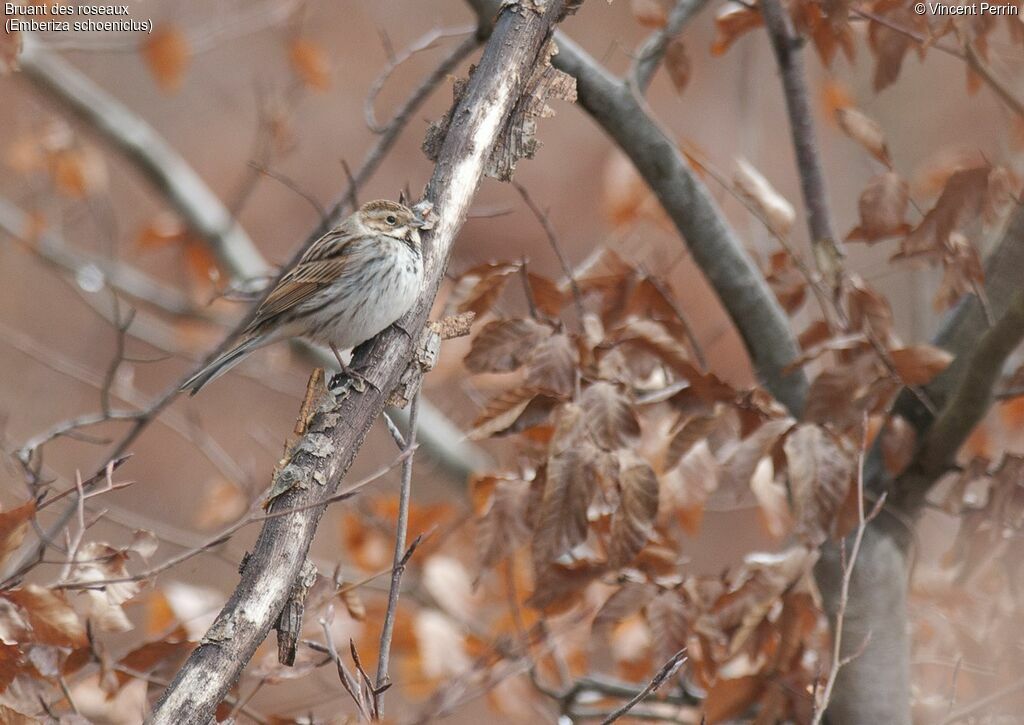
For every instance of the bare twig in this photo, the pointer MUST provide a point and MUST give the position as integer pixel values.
(549, 230)
(849, 563)
(650, 54)
(425, 42)
(667, 670)
(401, 558)
(827, 248)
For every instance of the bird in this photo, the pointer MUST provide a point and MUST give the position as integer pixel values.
(348, 286)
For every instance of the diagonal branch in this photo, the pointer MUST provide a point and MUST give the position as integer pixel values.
(737, 281)
(337, 430)
(152, 155)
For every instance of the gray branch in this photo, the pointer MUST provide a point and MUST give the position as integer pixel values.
(737, 281)
(150, 153)
(336, 432)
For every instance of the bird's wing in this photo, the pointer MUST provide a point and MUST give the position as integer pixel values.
(300, 283)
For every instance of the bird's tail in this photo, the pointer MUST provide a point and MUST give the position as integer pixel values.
(221, 364)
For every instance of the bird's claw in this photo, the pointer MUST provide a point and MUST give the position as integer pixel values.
(349, 378)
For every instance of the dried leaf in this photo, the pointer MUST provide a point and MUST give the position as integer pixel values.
(167, 53)
(890, 41)
(759, 193)
(650, 13)
(569, 485)
(869, 310)
(677, 63)
(310, 63)
(741, 461)
(609, 416)
(898, 444)
(919, 364)
(633, 521)
(627, 600)
(546, 295)
(733, 21)
(50, 617)
(477, 289)
(553, 365)
(820, 471)
(772, 499)
(688, 486)
(508, 412)
(502, 528)
(78, 172)
(883, 207)
(504, 345)
(865, 131)
(962, 200)
(13, 527)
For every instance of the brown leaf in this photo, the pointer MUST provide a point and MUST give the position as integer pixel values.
(869, 310)
(962, 271)
(502, 528)
(633, 521)
(772, 499)
(609, 416)
(741, 461)
(477, 289)
(52, 620)
(501, 412)
(787, 282)
(310, 63)
(734, 20)
(546, 295)
(627, 600)
(864, 130)
(688, 486)
(677, 63)
(504, 345)
(557, 587)
(898, 444)
(693, 430)
(770, 204)
(919, 364)
(167, 53)
(669, 619)
(820, 471)
(728, 699)
(78, 171)
(569, 485)
(553, 365)
(883, 208)
(650, 13)
(889, 40)
(13, 526)
(962, 200)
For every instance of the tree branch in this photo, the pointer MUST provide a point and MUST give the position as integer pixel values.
(150, 153)
(787, 45)
(337, 430)
(650, 54)
(737, 281)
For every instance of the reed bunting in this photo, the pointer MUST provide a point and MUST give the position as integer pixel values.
(352, 283)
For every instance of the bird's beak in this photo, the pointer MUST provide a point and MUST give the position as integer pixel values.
(417, 223)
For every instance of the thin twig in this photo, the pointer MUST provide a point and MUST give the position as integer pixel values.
(645, 65)
(666, 671)
(401, 557)
(844, 593)
(549, 230)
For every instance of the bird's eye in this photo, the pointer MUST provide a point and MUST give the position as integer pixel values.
(390, 219)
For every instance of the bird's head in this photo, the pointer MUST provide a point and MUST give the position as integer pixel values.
(391, 219)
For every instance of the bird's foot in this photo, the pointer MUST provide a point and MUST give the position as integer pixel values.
(349, 378)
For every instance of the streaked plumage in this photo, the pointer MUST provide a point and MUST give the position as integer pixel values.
(351, 283)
